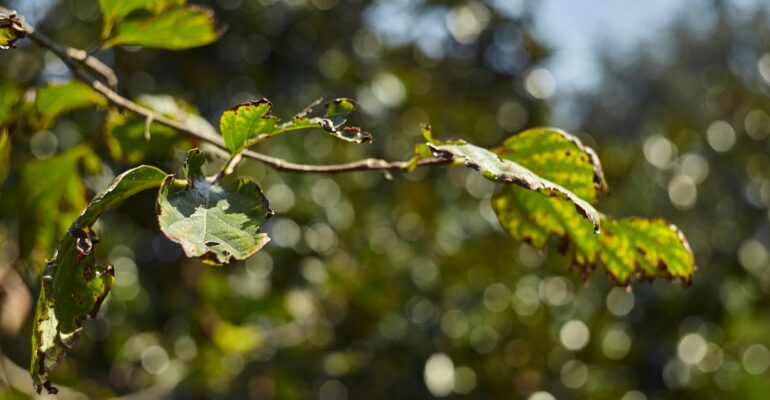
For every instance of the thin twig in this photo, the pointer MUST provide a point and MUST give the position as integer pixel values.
(369, 164)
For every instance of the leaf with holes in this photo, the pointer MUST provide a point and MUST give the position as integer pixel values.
(629, 248)
(218, 222)
(497, 169)
(175, 29)
(11, 30)
(73, 285)
(335, 116)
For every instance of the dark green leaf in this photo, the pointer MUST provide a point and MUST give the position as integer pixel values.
(176, 29)
(217, 222)
(123, 186)
(73, 285)
(56, 99)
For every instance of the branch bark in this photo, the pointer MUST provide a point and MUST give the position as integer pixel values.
(77, 59)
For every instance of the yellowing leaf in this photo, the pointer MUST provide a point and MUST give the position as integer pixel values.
(630, 248)
(175, 29)
(506, 171)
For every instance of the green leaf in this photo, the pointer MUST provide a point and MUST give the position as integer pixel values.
(246, 124)
(129, 139)
(175, 29)
(126, 139)
(56, 99)
(11, 30)
(623, 245)
(336, 113)
(217, 222)
(73, 285)
(507, 171)
(53, 195)
(249, 123)
(114, 11)
(123, 186)
(10, 97)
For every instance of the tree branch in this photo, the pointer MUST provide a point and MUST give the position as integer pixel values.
(71, 57)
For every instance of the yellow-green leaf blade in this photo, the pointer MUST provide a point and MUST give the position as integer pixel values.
(246, 123)
(533, 218)
(176, 29)
(644, 248)
(559, 157)
(506, 171)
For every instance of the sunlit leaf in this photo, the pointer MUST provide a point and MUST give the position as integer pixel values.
(630, 248)
(114, 11)
(73, 285)
(644, 248)
(11, 30)
(244, 124)
(506, 171)
(332, 121)
(175, 29)
(56, 99)
(5, 154)
(218, 222)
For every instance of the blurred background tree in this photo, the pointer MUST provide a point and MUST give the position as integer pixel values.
(405, 286)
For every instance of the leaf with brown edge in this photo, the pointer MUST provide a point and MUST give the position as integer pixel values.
(246, 124)
(73, 285)
(642, 248)
(497, 169)
(11, 30)
(331, 121)
(217, 222)
(629, 248)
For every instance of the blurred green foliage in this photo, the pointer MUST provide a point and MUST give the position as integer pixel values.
(405, 286)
